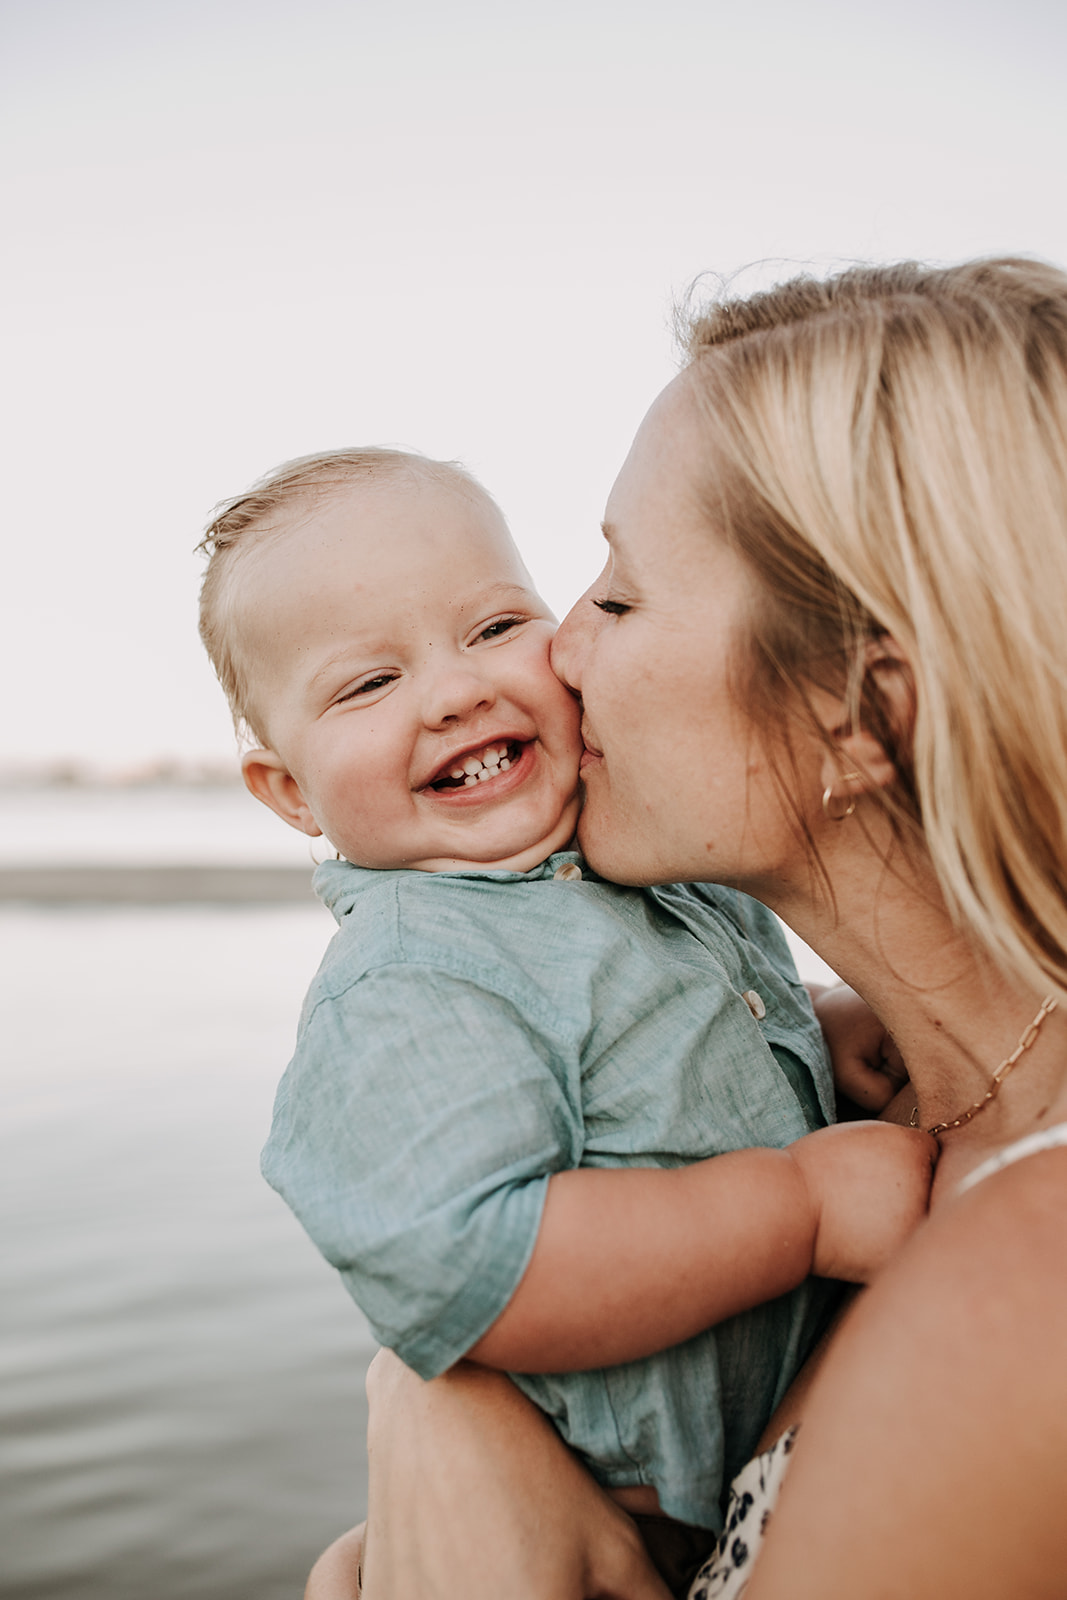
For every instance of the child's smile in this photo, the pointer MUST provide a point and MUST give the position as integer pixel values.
(399, 659)
(468, 769)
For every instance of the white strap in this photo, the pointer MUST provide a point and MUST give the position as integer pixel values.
(1031, 1145)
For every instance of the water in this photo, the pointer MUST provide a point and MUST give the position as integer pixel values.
(154, 823)
(181, 1405)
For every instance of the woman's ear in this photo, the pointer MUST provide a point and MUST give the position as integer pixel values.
(861, 749)
(269, 779)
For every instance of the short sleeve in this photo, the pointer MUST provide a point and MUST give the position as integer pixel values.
(413, 1136)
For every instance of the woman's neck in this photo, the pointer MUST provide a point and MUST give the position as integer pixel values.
(953, 1014)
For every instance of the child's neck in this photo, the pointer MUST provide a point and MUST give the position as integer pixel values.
(524, 860)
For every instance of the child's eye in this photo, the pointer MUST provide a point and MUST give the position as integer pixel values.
(614, 608)
(368, 686)
(495, 630)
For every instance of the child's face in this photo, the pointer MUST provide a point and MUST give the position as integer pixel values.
(393, 639)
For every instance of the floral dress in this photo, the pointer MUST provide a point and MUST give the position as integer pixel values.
(753, 1495)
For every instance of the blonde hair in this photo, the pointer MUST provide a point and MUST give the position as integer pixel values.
(252, 519)
(888, 450)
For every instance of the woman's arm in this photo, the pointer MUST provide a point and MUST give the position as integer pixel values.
(473, 1493)
(933, 1454)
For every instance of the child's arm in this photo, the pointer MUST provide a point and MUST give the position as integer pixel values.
(868, 1068)
(631, 1261)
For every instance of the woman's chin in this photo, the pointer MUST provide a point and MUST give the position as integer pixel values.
(608, 856)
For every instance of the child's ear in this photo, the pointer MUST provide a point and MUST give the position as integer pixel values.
(267, 777)
(857, 747)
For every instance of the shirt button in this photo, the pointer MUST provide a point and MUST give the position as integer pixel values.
(754, 1002)
(569, 872)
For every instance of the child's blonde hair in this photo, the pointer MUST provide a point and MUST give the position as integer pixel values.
(888, 450)
(251, 519)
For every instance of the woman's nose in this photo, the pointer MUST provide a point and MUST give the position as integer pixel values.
(455, 692)
(568, 645)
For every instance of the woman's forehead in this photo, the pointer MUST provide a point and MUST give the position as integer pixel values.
(659, 475)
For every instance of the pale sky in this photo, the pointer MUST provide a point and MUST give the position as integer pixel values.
(242, 230)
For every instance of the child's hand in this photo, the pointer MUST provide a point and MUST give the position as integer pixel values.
(868, 1067)
(869, 1183)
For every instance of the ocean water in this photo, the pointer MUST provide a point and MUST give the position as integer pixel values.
(181, 1400)
(152, 823)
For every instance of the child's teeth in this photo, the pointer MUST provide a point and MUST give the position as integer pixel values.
(474, 769)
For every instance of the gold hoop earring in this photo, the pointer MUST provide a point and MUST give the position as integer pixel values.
(828, 795)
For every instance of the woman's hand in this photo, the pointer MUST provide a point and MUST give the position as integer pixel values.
(473, 1493)
(336, 1574)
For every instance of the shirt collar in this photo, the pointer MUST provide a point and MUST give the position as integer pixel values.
(337, 883)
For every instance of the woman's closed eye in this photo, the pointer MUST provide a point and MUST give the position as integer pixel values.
(614, 608)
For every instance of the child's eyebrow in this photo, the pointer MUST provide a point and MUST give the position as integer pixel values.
(371, 647)
(499, 591)
(341, 658)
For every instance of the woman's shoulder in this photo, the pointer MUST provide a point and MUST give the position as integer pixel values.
(1031, 1144)
(982, 1265)
(933, 1450)
(1003, 1225)
(1007, 1224)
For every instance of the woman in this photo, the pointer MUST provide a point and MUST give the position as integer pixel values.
(825, 663)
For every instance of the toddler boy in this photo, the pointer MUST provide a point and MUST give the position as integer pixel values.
(509, 1073)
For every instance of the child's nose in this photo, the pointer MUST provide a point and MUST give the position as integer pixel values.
(454, 693)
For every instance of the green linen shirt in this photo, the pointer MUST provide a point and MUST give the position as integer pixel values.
(469, 1034)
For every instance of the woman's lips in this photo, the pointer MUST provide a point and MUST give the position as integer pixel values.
(590, 755)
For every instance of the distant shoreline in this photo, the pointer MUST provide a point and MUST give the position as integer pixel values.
(72, 777)
(145, 885)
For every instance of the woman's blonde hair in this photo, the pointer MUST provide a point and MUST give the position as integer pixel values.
(263, 512)
(888, 450)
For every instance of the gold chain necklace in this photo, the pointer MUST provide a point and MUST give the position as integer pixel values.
(1029, 1035)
